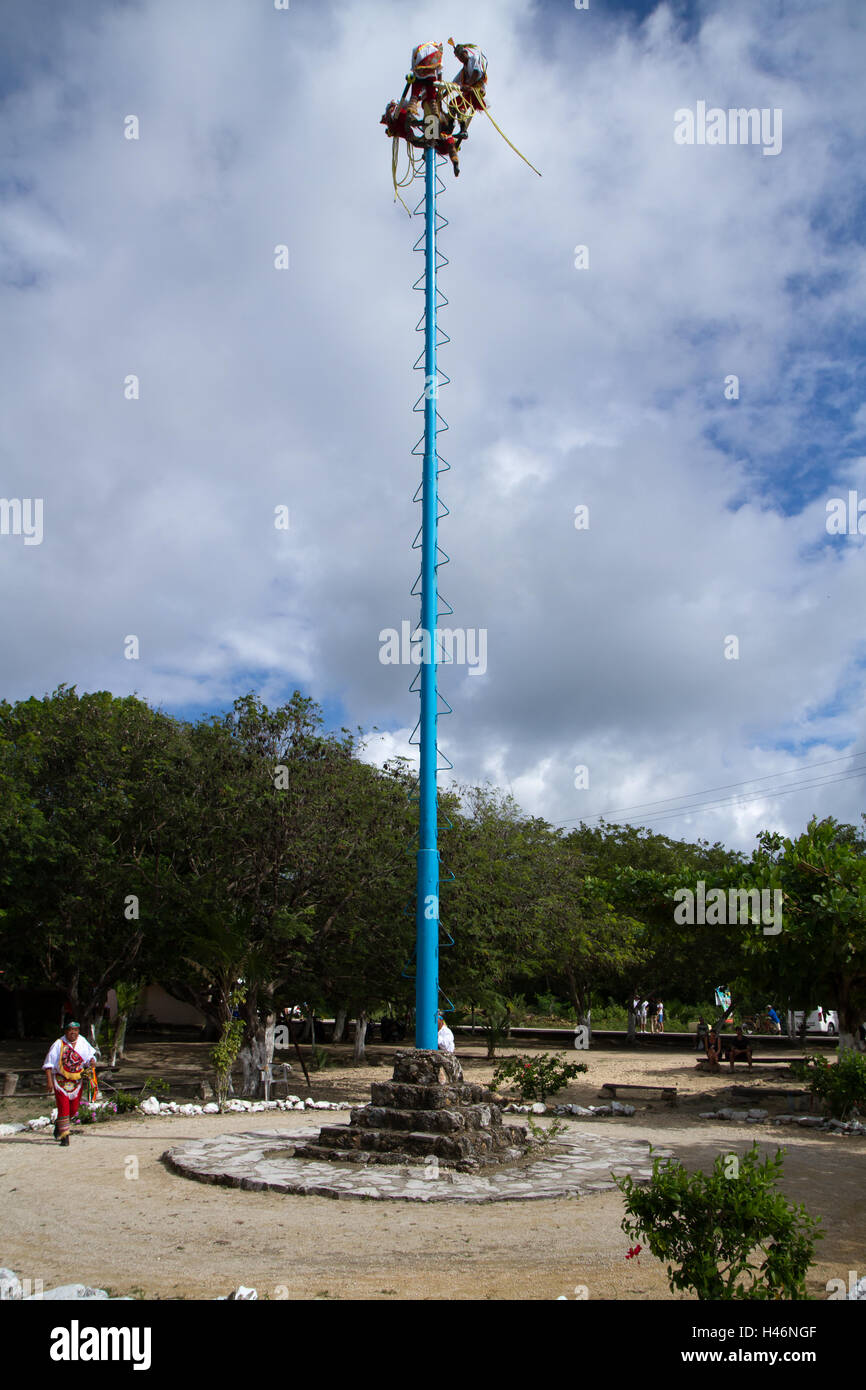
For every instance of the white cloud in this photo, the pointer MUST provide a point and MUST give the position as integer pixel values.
(602, 387)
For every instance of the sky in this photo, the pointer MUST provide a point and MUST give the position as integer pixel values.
(694, 378)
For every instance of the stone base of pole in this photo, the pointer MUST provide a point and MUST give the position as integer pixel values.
(427, 1114)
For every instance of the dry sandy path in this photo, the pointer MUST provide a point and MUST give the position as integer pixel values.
(164, 1236)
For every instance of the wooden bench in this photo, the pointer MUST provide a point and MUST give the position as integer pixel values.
(666, 1093)
(783, 1061)
(756, 1061)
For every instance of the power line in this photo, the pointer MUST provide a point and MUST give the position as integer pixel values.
(726, 786)
(767, 793)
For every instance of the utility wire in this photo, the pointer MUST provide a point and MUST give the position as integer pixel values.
(725, 786)
(765, 794)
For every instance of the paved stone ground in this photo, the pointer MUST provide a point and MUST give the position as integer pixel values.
(583, 1163)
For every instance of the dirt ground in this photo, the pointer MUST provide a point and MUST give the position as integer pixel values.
(157, 1235)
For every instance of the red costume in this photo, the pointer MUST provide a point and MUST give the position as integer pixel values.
(447, 145)
(444, 105)
(426, 76)
(67, 1061)
(401, 124)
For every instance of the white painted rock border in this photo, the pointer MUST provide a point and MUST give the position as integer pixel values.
(586, 1112)
(152, 1106)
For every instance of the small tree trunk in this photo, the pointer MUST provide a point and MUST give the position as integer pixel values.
(576, 993)
(119, 1038)
(359, 1055)
(294, 1043)
(245, 1057)
(849, 1026)
(256, 1056)
(340, 1025)
(632, 1022)
(72, 995)
(270, 1031)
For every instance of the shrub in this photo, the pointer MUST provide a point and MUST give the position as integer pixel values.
(841, 1085)
(125, 1102)
(548, 1006)
(155, 1086)
(96, 1115)
(537, 1077)
(545, 1134)
(226, 1050)
(495, 1020)
(726, 1234)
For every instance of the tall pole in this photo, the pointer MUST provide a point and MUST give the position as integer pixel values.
(427, 903)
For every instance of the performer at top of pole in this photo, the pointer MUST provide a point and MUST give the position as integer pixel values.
(429, 109)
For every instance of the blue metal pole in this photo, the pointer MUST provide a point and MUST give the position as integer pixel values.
(427, 905)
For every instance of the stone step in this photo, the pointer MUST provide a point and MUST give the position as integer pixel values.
(397, 1095)
(463, 1144)
(377, 1140)
(401, 1158)
(419, 1067)
(367, 1157)
(319, 1151)
(469, 1117)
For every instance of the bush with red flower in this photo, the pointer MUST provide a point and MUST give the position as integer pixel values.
(537, 1077)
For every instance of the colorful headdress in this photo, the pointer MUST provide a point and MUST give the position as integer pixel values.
(427, 59)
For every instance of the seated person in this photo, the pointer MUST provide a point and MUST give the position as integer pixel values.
(469, 86)
(401, 122)
(713, 1045)
(446, 1037)
(740, 1047)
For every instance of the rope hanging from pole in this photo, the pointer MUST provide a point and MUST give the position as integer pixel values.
(486, 111)
(415, 169)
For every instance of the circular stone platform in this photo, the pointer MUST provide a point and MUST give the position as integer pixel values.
(583, 1163)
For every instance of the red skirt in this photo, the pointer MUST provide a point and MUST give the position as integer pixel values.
(67, 1106)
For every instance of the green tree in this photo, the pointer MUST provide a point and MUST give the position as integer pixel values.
(820, 954)
(489, 910)
(587, 940)
(79, 828)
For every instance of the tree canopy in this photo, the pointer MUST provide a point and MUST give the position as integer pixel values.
(257, 846)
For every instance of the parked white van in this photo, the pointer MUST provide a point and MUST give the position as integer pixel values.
(818, 1021)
